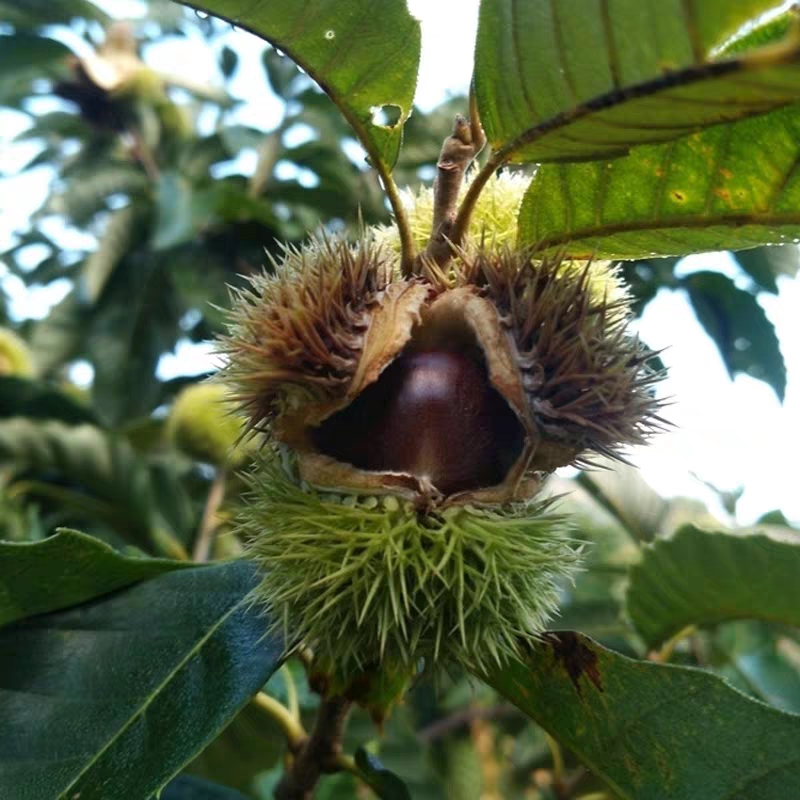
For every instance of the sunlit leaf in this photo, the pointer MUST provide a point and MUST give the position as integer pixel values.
(365, 56)
(570, 80)
(729, 187)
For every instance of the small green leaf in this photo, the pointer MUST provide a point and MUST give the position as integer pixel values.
(282, 73)
(699, 577)
(58, 337)
(95, 475)
(119, 235)
(49, 12)
(20, 397)
(765, 264)
(746, 339)
(651, 730)
(364, 55)
(67, 569)
(383, 782)
(113, 697)
(134, 322)
(24, 50)
(752, 655)
(182, 211)
(560, 80)
(228, 61)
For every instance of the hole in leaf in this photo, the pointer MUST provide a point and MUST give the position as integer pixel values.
(387, 116)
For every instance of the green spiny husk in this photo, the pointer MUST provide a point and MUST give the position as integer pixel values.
(362, 580)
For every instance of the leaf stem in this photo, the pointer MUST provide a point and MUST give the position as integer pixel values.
(289, 724)
(407, 247)
(558, 759)
(461, 719)
(462, 220)
(663, 655)
(210, 522)
(291, 692)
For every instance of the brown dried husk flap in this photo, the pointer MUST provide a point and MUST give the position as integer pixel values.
(414, 311)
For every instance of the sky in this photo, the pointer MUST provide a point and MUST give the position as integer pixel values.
(727, 433)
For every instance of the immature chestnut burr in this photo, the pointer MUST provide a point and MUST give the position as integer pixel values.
(410, 422)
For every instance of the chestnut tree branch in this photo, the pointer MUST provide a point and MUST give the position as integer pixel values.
(458, 151)
(319, 753)
(462, 719)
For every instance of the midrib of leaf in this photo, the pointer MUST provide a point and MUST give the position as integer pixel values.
(153, 695)
(654, 88)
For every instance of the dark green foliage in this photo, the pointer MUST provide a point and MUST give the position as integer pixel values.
(129, 671)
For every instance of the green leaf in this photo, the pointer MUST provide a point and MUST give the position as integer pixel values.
(651, 730)
(58, 337)
(746, 339)
(384, 783)
(134, 322)
(282, 73)
(364, 55)
(228, 61)
(729, 187)
(182, 211)
(699, 577)
(753, 655)
(87, 191)
(250, 745)
(113, 697)
(765, 264)
(24, 50)
(64, 570)
(20, 397)
(566, 80)
(36, 13)
(118, 237)
(95, 475)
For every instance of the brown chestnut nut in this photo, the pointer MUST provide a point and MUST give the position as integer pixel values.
(430, 414)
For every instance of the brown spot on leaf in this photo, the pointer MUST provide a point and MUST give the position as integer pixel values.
(576, 657)
(723, 194)
(678, 196)
(726, 173)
